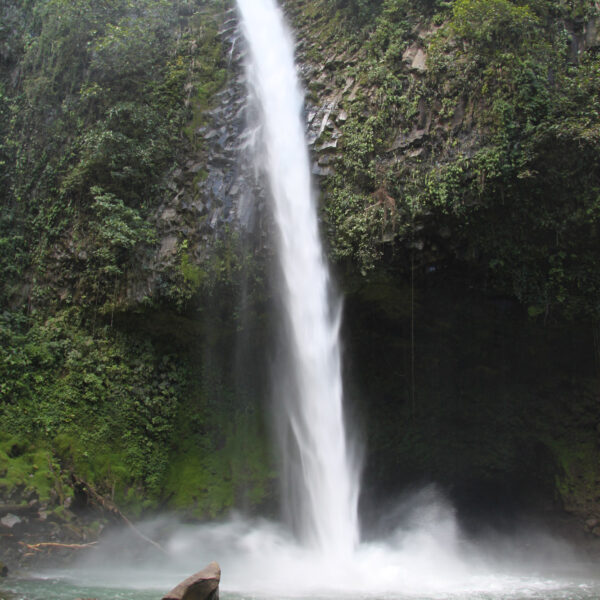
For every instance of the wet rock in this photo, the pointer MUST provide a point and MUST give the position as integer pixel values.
(10, 520)
(19, 509)
(404, 141)
(196, 168)
(459, 115)
(3, 570)
(216, 216)
(592, 33)
(418, 62)
(415, 57)
(414, 153)
(321, 171)
(169, 214)
(203, 585)
(328, 145)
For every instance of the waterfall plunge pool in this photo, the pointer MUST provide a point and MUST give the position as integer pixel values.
(425, 557)
(55, 587)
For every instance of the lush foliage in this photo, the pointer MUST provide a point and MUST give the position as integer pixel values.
(487, 159)
(462, 209)
(28, 468)
(94, 124)
(104, 401)
(482, 162)
(126, 414)
(100, 103)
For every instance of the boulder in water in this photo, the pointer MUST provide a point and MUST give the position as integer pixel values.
(203, 585)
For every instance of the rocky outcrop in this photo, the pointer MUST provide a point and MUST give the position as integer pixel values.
(583, 35)
(203, 192)
(214, 196)
(338, 91)
(203, 585)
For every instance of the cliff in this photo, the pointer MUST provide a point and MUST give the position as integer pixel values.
(456, 149)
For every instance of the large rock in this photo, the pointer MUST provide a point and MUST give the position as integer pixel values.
(592, 33)
(203, 585)
(10, 520)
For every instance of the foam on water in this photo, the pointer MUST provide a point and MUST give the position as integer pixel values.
(424, 556)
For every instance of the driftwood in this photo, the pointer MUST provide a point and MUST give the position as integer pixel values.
(203, 585)
(112, 509)
(41, 545)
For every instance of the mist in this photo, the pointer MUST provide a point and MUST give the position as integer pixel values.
(425, 554)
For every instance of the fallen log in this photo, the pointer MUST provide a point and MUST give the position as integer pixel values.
(112, 509)
(203, 585)
(41, 545)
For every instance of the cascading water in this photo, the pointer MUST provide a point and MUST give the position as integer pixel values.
(422, 552)
(326, 479)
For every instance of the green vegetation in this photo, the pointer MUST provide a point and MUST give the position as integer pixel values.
(125, 414)
(99, 106)
(466, 166)
(505, 159)
(28, 468)
(102, 401)
(209, 476)
(91, 130)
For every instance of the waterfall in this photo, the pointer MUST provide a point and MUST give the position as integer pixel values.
(318, 455)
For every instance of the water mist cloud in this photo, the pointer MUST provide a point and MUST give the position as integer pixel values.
(424, 555)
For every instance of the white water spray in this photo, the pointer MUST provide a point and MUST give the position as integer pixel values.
(327, 480)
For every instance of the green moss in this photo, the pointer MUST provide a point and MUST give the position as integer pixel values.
(28, 467)
(104, 402)
(208, 77)
(200, 484)
(579, 464)
(192, 273)
(231, 466)
(97, 463)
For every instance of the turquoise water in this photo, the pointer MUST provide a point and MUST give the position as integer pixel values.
(57, 589)
(523, 589)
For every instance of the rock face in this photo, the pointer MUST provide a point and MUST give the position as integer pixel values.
(10, 520)
(205, 192)
(203, 585)
(215, 195)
